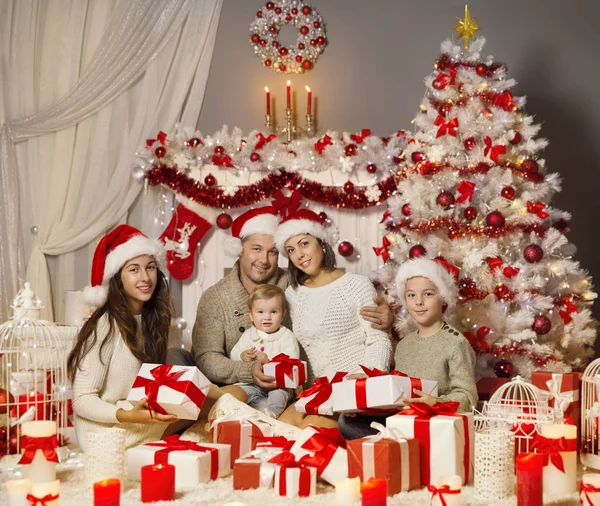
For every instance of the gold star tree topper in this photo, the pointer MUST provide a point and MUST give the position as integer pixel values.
(466, 27)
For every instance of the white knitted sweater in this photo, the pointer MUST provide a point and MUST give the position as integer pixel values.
(327, 323)
(101, 387)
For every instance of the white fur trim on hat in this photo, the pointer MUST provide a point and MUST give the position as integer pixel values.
(291, 228)
(426, 268)
(263, 224)
(134, 247)
(95, 296)
(232, 246)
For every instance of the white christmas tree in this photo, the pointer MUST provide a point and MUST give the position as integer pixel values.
(474, 194)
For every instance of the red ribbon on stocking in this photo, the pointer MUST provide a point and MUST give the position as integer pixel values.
(47, 445)
(175, 444)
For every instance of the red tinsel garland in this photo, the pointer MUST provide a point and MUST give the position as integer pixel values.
(517, 349)
(428, 168)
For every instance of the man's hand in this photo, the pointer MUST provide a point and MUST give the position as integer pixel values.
(248, 355)
(266, 382)
(380, 317)
(139, 414)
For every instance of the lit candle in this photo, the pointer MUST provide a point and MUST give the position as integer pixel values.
(17, 492)
(268, 96)
(589, 492)
(158, 483)
(529, 479)
(555, 481)
(447, 491)
(289, 94)
(374, 492)
(347, 491)
(309, 101)
(47, 494)
(107, 492)
(40, 470)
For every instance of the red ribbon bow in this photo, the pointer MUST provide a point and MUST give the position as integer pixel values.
(358, 138)
(175, 444)
(566, 315)
(383, 251)
(538, 209)
(586, 489)
(321, 144)
(287, 460)
(477, 340)
(505, 101)
(551, 449)
(442, 491)
(323, 388)
(262, 140)
(496, 263)
(285, 367)
(275, 441)
(385, 216)
(162, 376)
(286, 205)
(323, 444)
(452, 269)
(161, 137)
(221, 161)
(42, 501)
(466, 189)
(449, 127)
(443, 79)
(360, 387)
(494, 151)
(31, 445)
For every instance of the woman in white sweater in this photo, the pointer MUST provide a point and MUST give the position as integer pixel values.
(324, 305)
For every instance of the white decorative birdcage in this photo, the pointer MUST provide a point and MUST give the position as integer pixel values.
(33, 382)
(590, 415)
(516, 407)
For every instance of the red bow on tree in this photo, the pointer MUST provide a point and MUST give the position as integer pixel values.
(262, 140)
(41, 501)
(566, 315)
(496, 263)
(477, 340)
(385, 216)
(494, 151)
(551, 449)
(442, 491)
(537, 209)
(466, 189)
(286, 205)
(321, 144)
(358, 138)
(443, 79)
(221, 161)
(383, 251)
(161, 137)
(449, 127)
(505, 101)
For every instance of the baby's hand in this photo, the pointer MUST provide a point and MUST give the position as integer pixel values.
(248, 355)
(262, 356)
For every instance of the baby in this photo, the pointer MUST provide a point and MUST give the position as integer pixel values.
(265, 339)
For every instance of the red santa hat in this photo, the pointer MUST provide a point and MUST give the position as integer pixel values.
(262, 220)
(303, 221)
(112, 252)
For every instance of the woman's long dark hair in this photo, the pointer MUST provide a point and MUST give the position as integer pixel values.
(297, 277)
(156, 319)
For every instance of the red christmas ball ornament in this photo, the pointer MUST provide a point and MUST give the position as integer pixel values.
(254, 157)
(417, 156)
(5, 398)
(321, 40)
(561, 225)
(270, 5)
(470, 143)
(533, 253)
(224, 221)
(417, 251)
(487, 113)
(255, 38)
(508, 192)
(495, 219)
(348, 187)
(317, 24)
(277, 10)
(304, 30)
(350, 149)
(438, 84)
(345, 249)
(466, 287)
(268, 63)
(503, 292)
(275, 43)
(516, 139)
(283, 51)
(273, 29)
(541, 325)
(263, 42)
(210, 180)
(313, 42)
(470, 213)
(307, 65)
(294, 11)
(219, 150)
(193, 142)
(529, 165)
(323, 216)
(406, 209)
(371, 168)
(298, 58)
(306, 10)
(283, 68)
(288, 17)
(481, 70)
(259, 14)
(160, 151)
(504, 369)
(445, 200)
(301, 45)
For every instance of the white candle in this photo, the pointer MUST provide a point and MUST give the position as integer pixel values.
(451, 499)
(52, 488)
(555, 481)
(347, 491)
(40, 470)
(590, 498)
(17, 492)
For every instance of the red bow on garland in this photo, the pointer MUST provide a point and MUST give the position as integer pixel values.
(221, 161)
(566, 315)
(262, 140)
(41, 501)
(477, 340)
(161, 137)
(505, 101)
(31, 445)
(383, 251)
(443, 79)
(358, 138)
(286, 205)
(537, 209)
(496, 263)
(442, 491)
(466, 189)
(494, 151)
(321, 144)
(449, 127)
(551, 449)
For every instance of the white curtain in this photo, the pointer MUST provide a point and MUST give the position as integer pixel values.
(84, 83)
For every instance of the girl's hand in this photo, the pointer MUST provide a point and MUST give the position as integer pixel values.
(139, 414)
(426, 398)
(248, 355)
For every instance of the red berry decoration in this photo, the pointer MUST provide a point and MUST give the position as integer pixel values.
(529, 166)
(282, 68)
(306, 10)
(268, 63)
(417, 251)
(210, 180)
(345, 249)
(445, 200)
(417, 156)
(304, 30)
(277, 10)
(224, 221)
(470, 213)
(371, 168)
(508, 192)
(307, 65)
(193, 142)
(504, 369)
(263, 42)
(254, 157)
(516, 139)
(470, 143)
(298, 58)
(321, 40)
(160, 151)
(541, 325)
(533, 253)
(406, 210)
(503, 293)
(255, 38)
(316, 24)
(323, 216)
(219, 150)
(283, 51)
(313, 42)
(495, 219)
(348, 187)
(301, 45)
(350, 149)
(481, 70)
(270, 5)
(259, 14)
(275, 43)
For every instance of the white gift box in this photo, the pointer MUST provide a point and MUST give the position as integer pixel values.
(294, 380)
(320, 401)
(191, 466)
(181, 389)
(287, 481)
(380, 392)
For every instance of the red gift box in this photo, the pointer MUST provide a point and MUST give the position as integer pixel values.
(293, 478)
(25, 401)
(386, 455)
(563, 393)
(288, 372)
(486, 387)
(242, 433)
(252, 472)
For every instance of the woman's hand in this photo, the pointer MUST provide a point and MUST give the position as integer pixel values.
(380, 317)
(139, 414)
(248, 355)
(426, 398)
(356, 376)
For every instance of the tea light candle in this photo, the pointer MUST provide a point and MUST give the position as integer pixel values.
(47, 493)
(555, 481)
(40, 470)
(374, 492)
(529, 479)
(158, 483)
(107, 492)
(589, 490)
(446, 492)
(17, 491)
(347, 491)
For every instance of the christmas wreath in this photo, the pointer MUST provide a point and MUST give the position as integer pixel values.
(311, 40)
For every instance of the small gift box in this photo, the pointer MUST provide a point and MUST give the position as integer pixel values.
(293, 478)
(171, 389)
(194, 463)
(288, 372)
(386, 455)
(562, 392)
(487, 386)
(242, 433)
(275, 444)
(317, 399)
(380, 390)
(323, 449)
(446, 439)
(253, 472)
(26, 401)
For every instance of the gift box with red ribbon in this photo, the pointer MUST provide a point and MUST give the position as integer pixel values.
(386, 455)
(252, 472)
(293, 478)
(171, 389)
(562, 391)
(194, 462)
(275, 444)
(288, 372)
(379, 391)
(242, 433)
(325, 450)
(446, 438)
(318, 399)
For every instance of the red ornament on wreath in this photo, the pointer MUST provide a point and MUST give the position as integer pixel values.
(417, 251)
(481, 70)
(160, 151)
(541, 325)
(533, 253)
(219, 150)
(348, 187)
(254, 157)
(224, 221)
(210, 180)
(350, 149)
(445, 200)
(495, 219)
(470, 143)
(371, 168)
(193, 142)
(508, 192)
(406, 209)
(417, 156)
(503, 293)
(470, 213)
(504, 369)
(345, 249)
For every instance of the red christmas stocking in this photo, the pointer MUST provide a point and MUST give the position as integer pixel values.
(181, 238)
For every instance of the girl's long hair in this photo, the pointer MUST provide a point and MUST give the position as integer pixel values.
(156, 319)
(298, 277)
